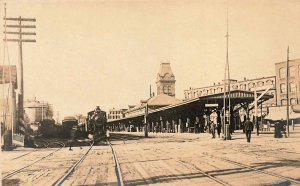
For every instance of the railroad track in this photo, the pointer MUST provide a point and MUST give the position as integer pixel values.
(221, 182)
(254, 169)
(117, 166)
(19, 170)
(73, 167)
(44, 145)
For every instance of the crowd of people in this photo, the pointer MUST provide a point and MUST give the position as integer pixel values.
(172, 126)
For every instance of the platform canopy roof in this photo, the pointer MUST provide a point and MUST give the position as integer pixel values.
(236, 97)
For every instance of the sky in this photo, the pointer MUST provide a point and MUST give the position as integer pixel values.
(108, 53)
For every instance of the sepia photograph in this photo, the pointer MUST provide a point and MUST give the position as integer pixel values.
(150, 92)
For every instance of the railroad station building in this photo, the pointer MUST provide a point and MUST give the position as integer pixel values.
(244, 85)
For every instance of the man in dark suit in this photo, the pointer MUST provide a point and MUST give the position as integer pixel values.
(248, 125)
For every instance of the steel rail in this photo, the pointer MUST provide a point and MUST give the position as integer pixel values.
(254, 169)
(117, 165)
(25, 154)
(45, 146)
(72, 168)
(205, 173)
(19, 170)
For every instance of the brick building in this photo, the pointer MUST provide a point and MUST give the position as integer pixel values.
(246, 84)
(294, 82)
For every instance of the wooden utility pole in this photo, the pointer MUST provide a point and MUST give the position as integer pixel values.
(19, 29)
(226, 129)
(287, 94)
(145, 121)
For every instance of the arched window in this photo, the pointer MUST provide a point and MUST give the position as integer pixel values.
(292, 87)
(283, 102)
(165, 89)
(269, 82)
(293, 101)
(251, 85)
(282, 88)
(260, 83)
(169, 89)
(282, 72)
(292, 71)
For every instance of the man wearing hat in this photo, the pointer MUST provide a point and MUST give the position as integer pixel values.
(248, 126)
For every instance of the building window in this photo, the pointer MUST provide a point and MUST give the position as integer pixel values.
(260, 83)
(220, 90)
(169, 89)
(283, 102)
(282, 73)
(282, 88)
(292, 87)
(165, 89)
(293, 101)
(251, 85)
(269, 82)
(243, 87)
(292, 71)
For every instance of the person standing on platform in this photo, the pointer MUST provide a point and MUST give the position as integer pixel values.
(213, 129)
(187, 125)
(248, 129)
(219, 128)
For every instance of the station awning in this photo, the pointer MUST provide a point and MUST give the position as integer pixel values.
(236, 96)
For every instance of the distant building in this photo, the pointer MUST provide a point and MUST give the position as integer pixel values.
(294, 82)
(37, 111)
(115, 114)
(165, 80)
(246, 84)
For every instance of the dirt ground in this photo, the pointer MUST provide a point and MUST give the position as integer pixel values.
(164, 159)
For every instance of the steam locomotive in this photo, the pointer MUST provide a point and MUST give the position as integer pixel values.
(96, 124)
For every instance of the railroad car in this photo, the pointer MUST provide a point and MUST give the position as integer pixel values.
(48, 128)
(96, 124)
(68, 123)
